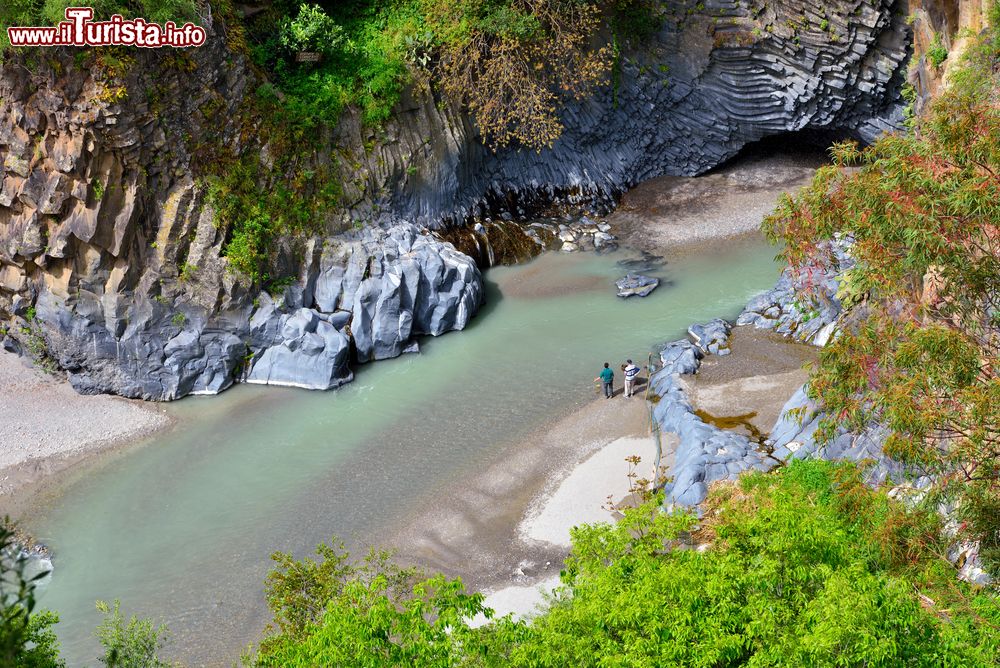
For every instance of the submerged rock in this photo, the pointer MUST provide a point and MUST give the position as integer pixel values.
(636, 285)
(644, 263)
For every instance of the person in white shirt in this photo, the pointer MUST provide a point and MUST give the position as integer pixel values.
(631, 373)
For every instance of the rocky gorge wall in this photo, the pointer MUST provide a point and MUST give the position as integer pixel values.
(112, 259)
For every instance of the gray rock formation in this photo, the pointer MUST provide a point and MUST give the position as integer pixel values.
(802, 304)
(680, 357)
(303, 350)
(705, 453)
(636, 285)
(396, 284)
(374, 293)
(709, 83)
(110, 255)
(711, 337)
(794, 437)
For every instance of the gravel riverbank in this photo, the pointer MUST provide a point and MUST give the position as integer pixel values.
(46, 426)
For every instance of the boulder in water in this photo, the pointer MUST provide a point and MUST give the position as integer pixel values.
(636, 285)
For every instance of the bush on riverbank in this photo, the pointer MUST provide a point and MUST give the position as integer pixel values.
(805, 566)
(920, 352)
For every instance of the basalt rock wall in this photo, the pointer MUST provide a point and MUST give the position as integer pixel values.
(711, 81)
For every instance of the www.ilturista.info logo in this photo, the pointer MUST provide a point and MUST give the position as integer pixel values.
(79, 30)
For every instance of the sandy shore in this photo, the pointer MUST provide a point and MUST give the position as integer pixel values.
(508, 525)
(45, 426)
(671, 211)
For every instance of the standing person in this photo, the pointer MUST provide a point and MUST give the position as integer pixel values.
(607, 378)
(631, 371)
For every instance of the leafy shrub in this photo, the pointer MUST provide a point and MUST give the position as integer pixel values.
(514, 63)
(937, 53)
(311, 30)
(803, 568)
(26, 637)
(131, 644)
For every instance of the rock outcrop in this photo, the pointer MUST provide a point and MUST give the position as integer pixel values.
(705, 453)
(712, 80)
(803, 304)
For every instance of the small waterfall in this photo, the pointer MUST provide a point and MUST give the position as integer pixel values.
(495, 243)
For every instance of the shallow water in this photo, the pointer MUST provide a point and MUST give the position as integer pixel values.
(180, 528)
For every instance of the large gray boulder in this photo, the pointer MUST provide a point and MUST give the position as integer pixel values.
(636, 285)
(397, 283)
(376, 290)
(711, 337)
(794, 436)
(306, 351)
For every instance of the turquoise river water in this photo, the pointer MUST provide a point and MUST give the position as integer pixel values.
(180, 528)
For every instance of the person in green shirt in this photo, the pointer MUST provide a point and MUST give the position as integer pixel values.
(607, 378)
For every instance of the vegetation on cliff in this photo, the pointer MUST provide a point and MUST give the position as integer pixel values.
(511, 62)
(919, 352)
(51, 12)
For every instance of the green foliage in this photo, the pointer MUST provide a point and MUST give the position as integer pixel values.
(41, 647)
(26, 637)
(363, 58)
(312, 30)
(257, 205)
(511, 62)
(635, 20)
(98, 187)
(921, 356)
(131, 644)
(937, 53)
(807, 566)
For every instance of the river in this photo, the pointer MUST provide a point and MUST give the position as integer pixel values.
(180, 527)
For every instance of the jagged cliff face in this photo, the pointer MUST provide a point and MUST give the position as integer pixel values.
(706, 86)
(110, 256)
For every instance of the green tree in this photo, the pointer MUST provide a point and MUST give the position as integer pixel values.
(311, 30)
(806, 566)
(129, 644)
(919, 348)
